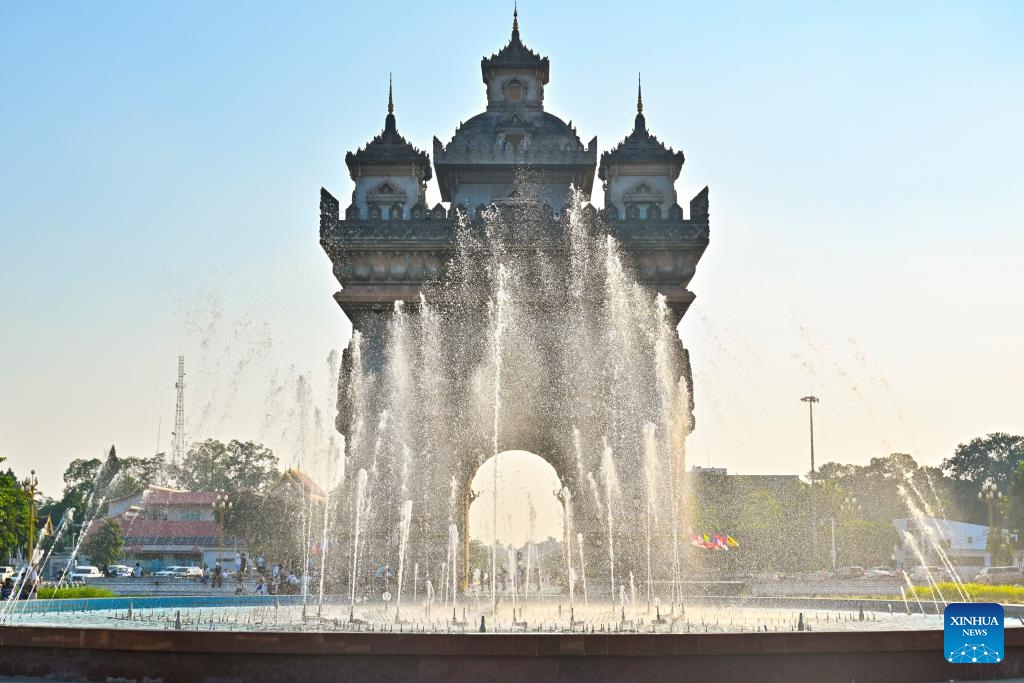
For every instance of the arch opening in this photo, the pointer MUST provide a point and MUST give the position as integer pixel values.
(526, 506)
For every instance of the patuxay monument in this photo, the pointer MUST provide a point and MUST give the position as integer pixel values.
(515, 315)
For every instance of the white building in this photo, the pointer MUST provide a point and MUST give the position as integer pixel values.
(963, 543)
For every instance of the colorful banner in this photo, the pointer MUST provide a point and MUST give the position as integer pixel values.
(714, 541)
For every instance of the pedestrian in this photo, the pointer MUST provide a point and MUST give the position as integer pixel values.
(137, 572)
(8, 588)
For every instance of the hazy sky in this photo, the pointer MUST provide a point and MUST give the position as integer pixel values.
(160, 168)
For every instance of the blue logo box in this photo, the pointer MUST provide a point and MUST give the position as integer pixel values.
(973, 632)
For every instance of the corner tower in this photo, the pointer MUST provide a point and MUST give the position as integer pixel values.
(389, 173)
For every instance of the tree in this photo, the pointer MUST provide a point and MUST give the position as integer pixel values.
(1013, 504)
(13, 513)
(80, 480)
(269, 524)
(239, 466)
(253, 466)
(996, 455)
(104, 543)
(135, 474)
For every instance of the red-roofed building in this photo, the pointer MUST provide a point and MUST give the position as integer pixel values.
(164, 526)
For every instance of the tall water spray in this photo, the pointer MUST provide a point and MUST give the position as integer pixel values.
(403, 540)
(361, 481)
(554, 349)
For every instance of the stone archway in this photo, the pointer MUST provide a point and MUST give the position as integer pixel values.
(528, 506)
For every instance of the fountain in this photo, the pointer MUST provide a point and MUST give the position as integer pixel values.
(523, 320)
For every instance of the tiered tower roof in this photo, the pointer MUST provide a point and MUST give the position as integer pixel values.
(641, 146)
(388, 149)
(515, 55)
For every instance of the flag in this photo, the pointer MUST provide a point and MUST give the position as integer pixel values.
(47, 529)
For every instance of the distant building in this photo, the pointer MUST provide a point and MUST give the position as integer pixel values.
(164, 527)
(295, 481)
(962, 542)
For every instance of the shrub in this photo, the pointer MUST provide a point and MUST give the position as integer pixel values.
(73, 592)
(1013, 595)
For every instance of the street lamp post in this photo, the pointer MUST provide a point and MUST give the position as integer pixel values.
(221, 504)
(29, 485)
(810, 401)
(990, 493)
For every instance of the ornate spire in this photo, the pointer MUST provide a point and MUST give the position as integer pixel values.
(515, 21)
(640, 123)
(389, 121)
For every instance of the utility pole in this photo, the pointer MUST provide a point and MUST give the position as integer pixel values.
(178, 445)
(810, 401)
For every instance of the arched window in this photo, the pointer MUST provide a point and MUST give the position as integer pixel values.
(514, 91)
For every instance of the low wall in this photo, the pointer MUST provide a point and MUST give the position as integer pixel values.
(195, 657)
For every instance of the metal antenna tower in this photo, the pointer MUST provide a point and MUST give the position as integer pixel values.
(178, 444)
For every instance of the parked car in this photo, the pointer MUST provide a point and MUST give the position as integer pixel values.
(849, 572)
(187, 572)
(119, 570)
(85, 571)
(6, 572)
(996, 575)
(921, 574)
(168, 571)
(879, 573)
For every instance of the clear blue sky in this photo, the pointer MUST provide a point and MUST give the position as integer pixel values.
(160, 167)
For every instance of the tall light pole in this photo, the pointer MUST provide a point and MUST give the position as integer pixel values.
(810, 401)
(221, 504)
(29, 485)
(990, 493)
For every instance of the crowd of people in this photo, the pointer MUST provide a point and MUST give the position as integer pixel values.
(276, 580)
(26, 584)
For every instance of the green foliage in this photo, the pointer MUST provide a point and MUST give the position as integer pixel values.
(999, 545)
(1013, 506)
(46, 593)
(996, 456)
(14, 510)
(238, 466)
(104, 544)
(270, 524)
(135, 474)
(1012, 595)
